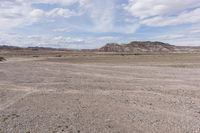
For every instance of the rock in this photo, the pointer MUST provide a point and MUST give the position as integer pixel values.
(138, 46)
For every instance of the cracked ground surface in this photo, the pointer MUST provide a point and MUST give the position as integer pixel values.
(100, 95)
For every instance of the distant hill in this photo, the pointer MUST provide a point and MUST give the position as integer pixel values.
(138, 46)
(6, 47)
(132, 47)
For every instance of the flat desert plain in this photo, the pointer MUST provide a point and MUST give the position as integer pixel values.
(100, 94)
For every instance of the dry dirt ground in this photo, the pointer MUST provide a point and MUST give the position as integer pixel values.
(101, 94)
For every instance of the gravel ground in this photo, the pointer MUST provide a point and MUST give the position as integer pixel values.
(52, 96)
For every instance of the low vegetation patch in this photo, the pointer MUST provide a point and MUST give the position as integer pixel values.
(2, 59)
(59, 55)
(35, 56)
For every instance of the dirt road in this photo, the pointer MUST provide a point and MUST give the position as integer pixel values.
(128, 96)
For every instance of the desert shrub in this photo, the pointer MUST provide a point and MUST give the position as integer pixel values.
(137, 54)
(2, 59)
(59, 55)
(35, 56)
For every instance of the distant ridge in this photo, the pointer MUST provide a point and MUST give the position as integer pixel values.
(6, 47)
(132, 47)
(138, 46)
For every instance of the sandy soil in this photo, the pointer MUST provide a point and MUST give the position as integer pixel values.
(100, 95)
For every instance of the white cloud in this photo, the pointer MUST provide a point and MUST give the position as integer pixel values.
(61, 2)
(17, 13)
(149, 8)
(39, 40)
(37, 13)
(101, 13)
(184, 18)
(13, 14)
(184, 37)
(160, 13)
(169, 37)
(62, 30)
(96, 16)
(195, 29)
(165, 12)
(61, 12)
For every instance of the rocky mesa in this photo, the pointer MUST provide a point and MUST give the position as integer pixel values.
(138, 46)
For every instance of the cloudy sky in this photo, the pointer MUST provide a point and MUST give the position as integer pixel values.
(92, 23)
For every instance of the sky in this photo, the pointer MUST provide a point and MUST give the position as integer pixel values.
(85, 24)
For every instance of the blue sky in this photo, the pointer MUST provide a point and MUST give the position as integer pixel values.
(93, 23)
